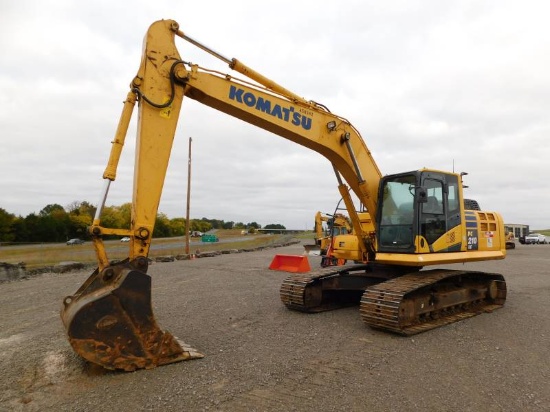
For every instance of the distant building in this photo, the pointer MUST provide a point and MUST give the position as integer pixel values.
(517, 230)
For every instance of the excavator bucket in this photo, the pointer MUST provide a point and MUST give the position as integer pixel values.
(110, 322)
(290, 263)
(312, 250)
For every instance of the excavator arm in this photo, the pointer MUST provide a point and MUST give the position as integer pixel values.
(159, 107)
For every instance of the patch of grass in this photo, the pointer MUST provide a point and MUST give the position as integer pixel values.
(305, 235)
(48, 254)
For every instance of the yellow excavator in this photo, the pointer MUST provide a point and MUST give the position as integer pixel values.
(417, 218)
(339, 243)
(336, 224)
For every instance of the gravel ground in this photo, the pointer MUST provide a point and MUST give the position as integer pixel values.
(262, 357)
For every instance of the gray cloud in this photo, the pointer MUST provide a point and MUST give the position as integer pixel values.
(427, 83)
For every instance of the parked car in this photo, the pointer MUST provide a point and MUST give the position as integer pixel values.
(125, 239)
(535, 238)
(72, 242)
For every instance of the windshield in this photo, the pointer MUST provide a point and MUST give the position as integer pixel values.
(397, 207)
(397, 213)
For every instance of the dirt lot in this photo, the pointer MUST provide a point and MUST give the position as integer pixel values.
(262, 357)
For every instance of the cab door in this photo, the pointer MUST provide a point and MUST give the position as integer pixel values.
(439, 213)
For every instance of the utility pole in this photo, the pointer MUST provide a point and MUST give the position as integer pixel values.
(187, 225)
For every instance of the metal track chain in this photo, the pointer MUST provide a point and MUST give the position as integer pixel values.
(294, 290)
(380, 304)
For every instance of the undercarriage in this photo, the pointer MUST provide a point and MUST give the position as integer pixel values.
(396, 299)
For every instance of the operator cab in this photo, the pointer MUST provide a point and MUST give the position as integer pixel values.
(416, 209)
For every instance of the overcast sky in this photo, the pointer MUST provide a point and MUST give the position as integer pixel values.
(430, 83)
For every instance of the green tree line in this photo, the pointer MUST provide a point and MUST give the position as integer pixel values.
(55, 223)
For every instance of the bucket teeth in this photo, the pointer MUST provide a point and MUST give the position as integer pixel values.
(192, 353)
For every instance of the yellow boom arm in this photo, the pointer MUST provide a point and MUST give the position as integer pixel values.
(164, 79)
